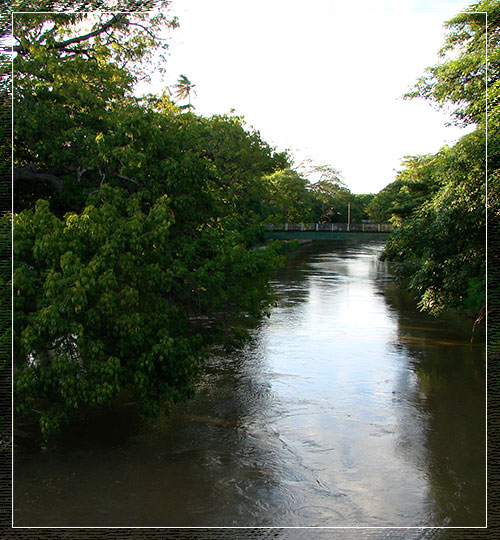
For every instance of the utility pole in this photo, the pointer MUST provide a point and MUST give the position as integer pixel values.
(348, 216)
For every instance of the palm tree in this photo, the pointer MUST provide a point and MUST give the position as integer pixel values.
(184, 88)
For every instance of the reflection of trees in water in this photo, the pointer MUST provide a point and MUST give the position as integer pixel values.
(439, 395)
(218, 452)
(226, 429)
(213, 462)
(449, 397)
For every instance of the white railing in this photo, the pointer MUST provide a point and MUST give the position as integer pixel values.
(331, 227)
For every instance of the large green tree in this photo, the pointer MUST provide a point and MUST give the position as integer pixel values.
(68, 91)
(313, 194)
(359, 206)
(459, 82)
(333, 199)
(441, 243)
(132, 248)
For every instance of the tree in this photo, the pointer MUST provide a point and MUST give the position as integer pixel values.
(290, 200)
(414, 185)
(184, 89)
(333, 199)
(67, 91)
(242, 161)
(105, 299)
(460, 80)
(359, 206)
(440, 246)
(131, 253)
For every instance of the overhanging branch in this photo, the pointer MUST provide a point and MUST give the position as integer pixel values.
(63, 45)
(31, 174)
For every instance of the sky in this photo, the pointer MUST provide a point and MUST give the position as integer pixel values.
(323, 79)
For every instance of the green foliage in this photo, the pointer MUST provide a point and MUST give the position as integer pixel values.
(359, 206)
(442, 253)
(183, 89)
(460, 80)
(134, 225)
(67, 96)
(107, 299)
(333, 199)
(440, 244)
(5, 287)
(289, 198)
(87, 5)
(294, 199)
(414, 185)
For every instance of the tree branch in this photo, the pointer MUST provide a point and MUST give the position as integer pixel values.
(128, 179)
(31, 174)
(64, 44)
(147, 31)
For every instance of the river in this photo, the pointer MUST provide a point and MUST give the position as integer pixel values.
(348, 408)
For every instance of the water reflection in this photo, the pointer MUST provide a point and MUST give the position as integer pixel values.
(449, 391)
(348, 408)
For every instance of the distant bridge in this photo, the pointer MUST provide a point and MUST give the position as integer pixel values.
(327, 231)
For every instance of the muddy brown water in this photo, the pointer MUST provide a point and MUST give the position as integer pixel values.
(349, 408)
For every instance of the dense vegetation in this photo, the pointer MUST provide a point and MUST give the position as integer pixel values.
(294, 198)
(136, 220)
(438, 201)
(133, 225)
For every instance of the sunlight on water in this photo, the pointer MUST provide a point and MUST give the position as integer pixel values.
(347, 408)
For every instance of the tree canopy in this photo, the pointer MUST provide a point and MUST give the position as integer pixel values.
(440, 244)
(135, 222)
(470, 65)
(294, 198)
(414, 184)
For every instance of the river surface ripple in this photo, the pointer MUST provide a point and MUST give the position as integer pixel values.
(347, 408)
